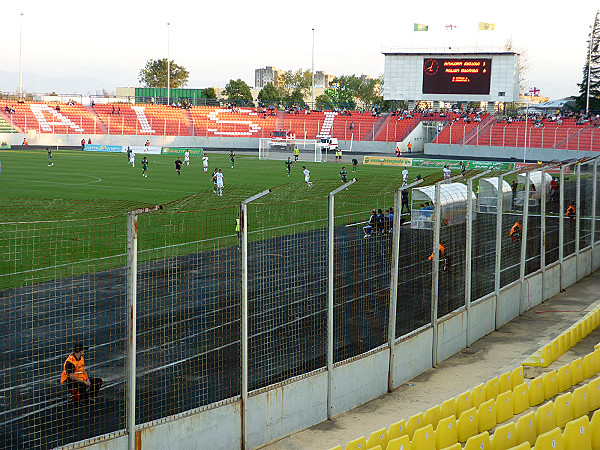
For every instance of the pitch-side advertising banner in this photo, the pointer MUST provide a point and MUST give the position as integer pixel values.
(103, 148)
(142, 149)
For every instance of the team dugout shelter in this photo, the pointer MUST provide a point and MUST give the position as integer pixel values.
(454, 198)
(451, 78)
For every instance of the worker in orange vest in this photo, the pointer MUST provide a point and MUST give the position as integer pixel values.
(409, 147)
(571, 212)
(443, 258)
(515, 231)
(82, 386)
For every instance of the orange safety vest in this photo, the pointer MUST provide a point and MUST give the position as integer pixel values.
(442, 252)
(79, 369)
(515, 228)
(571, 211)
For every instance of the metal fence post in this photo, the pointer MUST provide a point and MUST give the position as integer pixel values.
(131, 326)
(524, 243)
(594, 199)
(244, 314)
(561, 224)
(543, 233)
(498, 265)
(435, 271)
(577, 219)
(330, 266)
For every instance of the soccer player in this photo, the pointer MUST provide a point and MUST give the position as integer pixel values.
(128, 155)
(219, 181)
(343, 175)
(205, 162)
(214, 180)
(178, 164)
(145, 167)
(306, 173)
(186, 157)
(132, 158)
(232, 158)
(405, 175)
(354, 164)
(447, 172)
(288, 166)
(50, 163)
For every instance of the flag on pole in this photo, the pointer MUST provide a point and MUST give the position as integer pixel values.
(421, 27)
(486, 26)
(451, 27)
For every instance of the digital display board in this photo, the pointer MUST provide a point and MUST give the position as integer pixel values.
(456, 76)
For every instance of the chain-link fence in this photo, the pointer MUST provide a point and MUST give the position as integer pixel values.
(238, 297)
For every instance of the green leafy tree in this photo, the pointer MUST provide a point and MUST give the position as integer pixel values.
(295, 98)
(209, 93)
(591, 67)
(323, 101)
(289, 81)
(154, 74)
(239, 92)
(269, 95)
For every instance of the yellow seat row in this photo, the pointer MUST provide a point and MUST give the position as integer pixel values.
(565, 341)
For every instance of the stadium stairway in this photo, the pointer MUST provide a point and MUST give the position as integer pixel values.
(100, 127)
(377, 128)
(472, 137)
(488, 360)
(5, 126)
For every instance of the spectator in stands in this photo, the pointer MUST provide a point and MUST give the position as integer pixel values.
(368, 229)
(119, 111)
(113, 109)
(351, 125)
(57, 107)
(79, 383)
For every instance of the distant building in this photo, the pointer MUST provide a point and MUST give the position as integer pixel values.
(263, 76)
(322, 79)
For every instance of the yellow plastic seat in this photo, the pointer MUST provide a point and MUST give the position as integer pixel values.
(456, 446)
(432, 416)
(575, 335)
(554, 349)
(466, 425)
(504, 437)
(478, 395)
(520, 398)
(526, 431)
(504, 406)
(561, 344)
(594, 391)
(551, 440)
(578, 434)
(357, 444)
(446, 432)
(536, 391)
(595, 427)
(423, 439)
(597, 359)
(581, 401)
(563, 409)
(397, 430)
(540, 358)
(492, 389)
(399, 443)
(463, 402)
(339, 447)
(413, 424)
(486, 416)
(550, 384)
(568, 343)
(517, 376)
(545, 418)
(522, 446)
(564, 378)
(449, 407)
(589, 370)
(576, 371)
(378, 437)
(505, 382)
(581, 329)
(480, 441)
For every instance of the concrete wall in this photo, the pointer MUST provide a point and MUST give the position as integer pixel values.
(569, 272)
(551, 281)
(532, 292)
(452, 336)
(413, 356)
(484, 152)
(509, 302)
(481, 318)
(584, 263)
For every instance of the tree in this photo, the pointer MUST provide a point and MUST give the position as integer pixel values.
(591, 67)
(238, 91)
(523, 61)
(154, 74)
(209, 93)
(269, 96)
(323, 101)
(289, 81)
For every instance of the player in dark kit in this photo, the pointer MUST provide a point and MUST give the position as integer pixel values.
(288, 166)
(232, 158)
(214, 180)
(50, 163)
(145, 167)
(354, 164)
(343, 175)
(178, 164)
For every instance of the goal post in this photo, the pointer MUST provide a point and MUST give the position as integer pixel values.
(308, 149)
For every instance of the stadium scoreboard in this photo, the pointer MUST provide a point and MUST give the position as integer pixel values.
(450, 77)
(456, 76)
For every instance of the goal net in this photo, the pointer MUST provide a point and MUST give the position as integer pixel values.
(308, 150)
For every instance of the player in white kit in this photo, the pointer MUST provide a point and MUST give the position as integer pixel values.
(205, 162)
(132, 159)
(306, 173)
(186, 157)
(220, 179)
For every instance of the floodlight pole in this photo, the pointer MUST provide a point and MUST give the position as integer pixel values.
(525, 219)
(168, 64)
(435, 270)
(21, 59)
(312, 71)
(587, 95)
(526, 116)
(131, 327)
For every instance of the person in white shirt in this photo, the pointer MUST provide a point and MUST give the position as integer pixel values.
(405, 175)
(132, 159)
(186, 157)
(205, 162)
(220, 179)
(447, 172)
(306, 173)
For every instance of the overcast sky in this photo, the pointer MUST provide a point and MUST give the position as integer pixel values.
(217, 41)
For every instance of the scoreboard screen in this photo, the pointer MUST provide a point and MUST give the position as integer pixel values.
(456, 76)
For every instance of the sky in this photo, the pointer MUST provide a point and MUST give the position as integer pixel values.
(107, 43)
